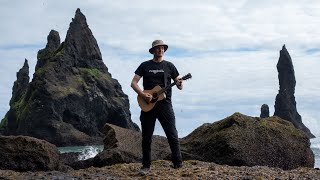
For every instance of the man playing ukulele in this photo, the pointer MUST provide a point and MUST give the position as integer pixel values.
(158, 72)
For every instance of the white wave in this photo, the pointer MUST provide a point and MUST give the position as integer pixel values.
(315, 143)
(89, 152)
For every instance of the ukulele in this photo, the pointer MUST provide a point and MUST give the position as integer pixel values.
(157, 95)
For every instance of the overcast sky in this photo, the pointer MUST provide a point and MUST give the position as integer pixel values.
(230, 47)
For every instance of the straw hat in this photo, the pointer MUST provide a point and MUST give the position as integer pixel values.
(156, 43)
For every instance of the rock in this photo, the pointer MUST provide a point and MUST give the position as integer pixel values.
(21, 84)
(82, 46)
(285, 104)
(264, 111)
(124, 146)
(161, 170)
(22, 153)
(19, 89)
(70, 157)
(240, 140)
(53, 43)
(72, 94)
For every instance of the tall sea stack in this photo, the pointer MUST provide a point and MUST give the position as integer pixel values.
(285, 105)
(71, 96)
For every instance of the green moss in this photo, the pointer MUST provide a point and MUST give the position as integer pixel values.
(20, 107)
(60, 50)
(46, 54)
(40, 71)
(4, 122)
(93, 72)
(43, 54)
(74, 85)
(276, 123)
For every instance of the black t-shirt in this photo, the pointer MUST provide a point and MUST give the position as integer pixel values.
(153, 75)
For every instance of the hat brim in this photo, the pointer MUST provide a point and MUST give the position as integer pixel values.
(165, 48)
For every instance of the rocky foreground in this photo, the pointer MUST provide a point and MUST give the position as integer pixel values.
(161, 170)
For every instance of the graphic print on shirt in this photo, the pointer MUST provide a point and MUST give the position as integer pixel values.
(156, 71)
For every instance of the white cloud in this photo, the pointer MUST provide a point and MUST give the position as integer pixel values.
(230, 47)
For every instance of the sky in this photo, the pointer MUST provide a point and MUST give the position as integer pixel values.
(231, 48)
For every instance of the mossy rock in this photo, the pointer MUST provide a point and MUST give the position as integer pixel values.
(247, 141)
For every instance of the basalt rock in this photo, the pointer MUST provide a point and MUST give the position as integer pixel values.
(53, 43)
(264, 111)
(124, 146)
(72, 95)
(241, 140)
(285, 104)
(19, 89)
(20, 86)
(22, 153)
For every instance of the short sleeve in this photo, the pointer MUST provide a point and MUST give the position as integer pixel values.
(139, 71)
(174, 71)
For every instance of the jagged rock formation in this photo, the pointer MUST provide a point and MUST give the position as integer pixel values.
(285, 104)
(241, 140)
(20, 87)
(124, 146)
(22, 153)
(72, 95)
(264, 111)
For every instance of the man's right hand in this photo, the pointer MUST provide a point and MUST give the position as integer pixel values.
(147, 97)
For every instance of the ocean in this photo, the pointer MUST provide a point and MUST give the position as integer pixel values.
(315, 146)
(87, 152)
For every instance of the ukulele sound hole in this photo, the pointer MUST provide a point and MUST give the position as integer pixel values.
(154, 97)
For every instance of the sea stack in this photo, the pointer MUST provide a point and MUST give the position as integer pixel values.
(264, 111)
(71, 96)
(285, 104)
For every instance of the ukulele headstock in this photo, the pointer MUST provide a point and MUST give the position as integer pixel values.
(187, 76)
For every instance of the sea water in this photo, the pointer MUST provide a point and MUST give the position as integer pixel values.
(315, 146)
(87, 152)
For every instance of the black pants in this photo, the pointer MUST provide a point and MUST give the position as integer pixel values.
(164, 113)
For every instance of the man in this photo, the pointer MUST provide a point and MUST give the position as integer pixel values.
(157, 71)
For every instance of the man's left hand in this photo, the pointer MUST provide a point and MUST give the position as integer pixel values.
(179, 84)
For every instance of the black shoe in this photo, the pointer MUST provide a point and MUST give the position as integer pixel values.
(144, 170)
(177, 166)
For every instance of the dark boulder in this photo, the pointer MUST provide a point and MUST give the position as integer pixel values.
(285, 104)
(240, 140)
(72, 94)
(124, 146)
(69, 158)
(264, 111)
(22, 153)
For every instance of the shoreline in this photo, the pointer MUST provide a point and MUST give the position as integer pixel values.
(161, 169)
